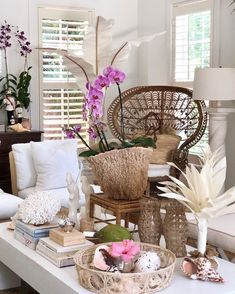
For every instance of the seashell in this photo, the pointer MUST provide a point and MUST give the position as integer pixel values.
(103, 260)
(98, 260)
(200, 268)
(189, 268)
(147, 262)
(205, 272)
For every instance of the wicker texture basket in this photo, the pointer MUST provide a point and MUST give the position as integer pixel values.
(122, 174)
(166, 145)
(128, 283)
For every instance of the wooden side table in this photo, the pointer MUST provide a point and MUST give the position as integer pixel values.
(119, 208)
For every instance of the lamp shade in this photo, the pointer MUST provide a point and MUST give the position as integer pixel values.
(214, 84)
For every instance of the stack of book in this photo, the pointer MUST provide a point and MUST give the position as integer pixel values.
(59, 255)
(29, 234)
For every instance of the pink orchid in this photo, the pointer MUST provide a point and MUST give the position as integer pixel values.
(125, 250)
(102, 82)
(116, 76)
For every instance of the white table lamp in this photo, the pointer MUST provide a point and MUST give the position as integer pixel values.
(215, 85)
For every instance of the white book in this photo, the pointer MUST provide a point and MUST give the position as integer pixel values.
(27, 241)
(63, 249)
(52, 254)
(59, 262)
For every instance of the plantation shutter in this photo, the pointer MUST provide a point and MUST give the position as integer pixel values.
(61, 100)
(191, 40)
(191, 46)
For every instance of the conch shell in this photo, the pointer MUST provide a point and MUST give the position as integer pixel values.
(200, 268)
(102, 259)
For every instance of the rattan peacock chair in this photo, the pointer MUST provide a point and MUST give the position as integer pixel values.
(152, 110)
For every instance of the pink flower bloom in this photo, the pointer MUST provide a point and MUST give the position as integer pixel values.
(77, 128)
(108, 70)
(125, 250)
(116, 76)
(69, 134)
(92, 133)
(102, 82)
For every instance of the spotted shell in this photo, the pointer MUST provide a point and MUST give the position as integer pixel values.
(200, 268)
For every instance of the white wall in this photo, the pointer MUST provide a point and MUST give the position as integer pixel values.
(24, 13)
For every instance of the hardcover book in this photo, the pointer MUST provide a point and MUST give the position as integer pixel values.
(59, 249)
(26, 239)
(35, 230)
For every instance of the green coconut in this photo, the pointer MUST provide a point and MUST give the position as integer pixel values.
(113, 233)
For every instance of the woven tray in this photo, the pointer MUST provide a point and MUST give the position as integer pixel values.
(128, 283)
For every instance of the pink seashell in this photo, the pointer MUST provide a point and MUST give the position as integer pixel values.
(98, 260)
(189, 268)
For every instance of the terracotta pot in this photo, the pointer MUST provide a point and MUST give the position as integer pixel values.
(123, 173)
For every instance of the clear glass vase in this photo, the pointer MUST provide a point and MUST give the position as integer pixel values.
(150, 223)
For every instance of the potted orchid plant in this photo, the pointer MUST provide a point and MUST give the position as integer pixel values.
(17, 87)
(93, 113)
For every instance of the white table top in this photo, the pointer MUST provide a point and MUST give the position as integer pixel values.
(47, 278)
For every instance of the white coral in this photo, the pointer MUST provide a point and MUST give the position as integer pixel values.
(39, 208)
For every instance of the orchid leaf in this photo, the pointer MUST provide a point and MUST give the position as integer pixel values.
(88, 153)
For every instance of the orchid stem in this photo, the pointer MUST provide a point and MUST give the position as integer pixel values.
(83, 141)
(105, 140)
(101, 138)
(121, 108)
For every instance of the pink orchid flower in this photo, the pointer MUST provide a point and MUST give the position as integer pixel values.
(125, 250)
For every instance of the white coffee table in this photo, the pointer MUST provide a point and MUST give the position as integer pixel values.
(46, 278)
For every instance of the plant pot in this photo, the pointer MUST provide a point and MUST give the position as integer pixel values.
(123, 173)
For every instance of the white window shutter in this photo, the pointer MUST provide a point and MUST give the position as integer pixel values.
(61, 100)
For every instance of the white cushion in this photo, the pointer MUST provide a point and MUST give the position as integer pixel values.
(8, 205)
(25, 171)
(221, 231)
(158, 170)
(52, 160)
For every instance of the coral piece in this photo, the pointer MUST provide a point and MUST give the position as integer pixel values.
(39, 208)
(200, 269)
(122, 174)
(147, 262)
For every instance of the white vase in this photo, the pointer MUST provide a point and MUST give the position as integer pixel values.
(202, 235)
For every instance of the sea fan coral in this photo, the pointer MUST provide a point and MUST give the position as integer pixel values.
(39, 208)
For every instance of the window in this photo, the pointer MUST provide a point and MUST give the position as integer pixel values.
(191, 39)
(192, 46)
(61, 100)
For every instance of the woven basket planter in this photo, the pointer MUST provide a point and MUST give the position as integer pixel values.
(166, 145)
(113, 283)
(122, 174)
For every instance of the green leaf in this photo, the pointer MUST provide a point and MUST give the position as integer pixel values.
(101, 146)
(144, 142)
(12, 81)
(88, 153)
(127, 144)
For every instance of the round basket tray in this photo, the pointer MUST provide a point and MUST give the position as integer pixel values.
(128, 283)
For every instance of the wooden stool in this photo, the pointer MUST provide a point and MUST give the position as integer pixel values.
(118, 207)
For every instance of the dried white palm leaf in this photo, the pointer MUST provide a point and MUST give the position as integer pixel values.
(202, 194)
(97, 52)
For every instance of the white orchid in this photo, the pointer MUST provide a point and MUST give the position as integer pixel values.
(203, 192)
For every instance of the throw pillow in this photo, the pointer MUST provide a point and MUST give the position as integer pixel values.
(25, 171)
(52, 160)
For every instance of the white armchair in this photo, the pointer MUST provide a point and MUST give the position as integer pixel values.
(8, 205)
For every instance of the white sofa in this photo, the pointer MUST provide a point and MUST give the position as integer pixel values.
(42, 166)
(8, 205)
